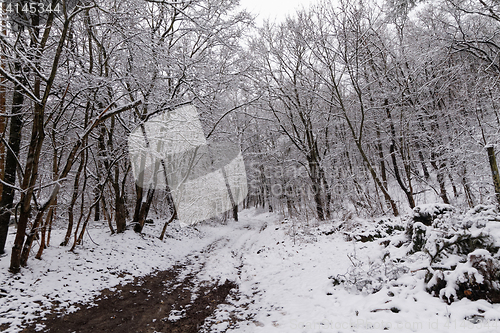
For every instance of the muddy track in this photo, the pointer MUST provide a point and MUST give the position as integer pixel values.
(144, 306)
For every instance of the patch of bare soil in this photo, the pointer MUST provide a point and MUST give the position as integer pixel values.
(144, 306)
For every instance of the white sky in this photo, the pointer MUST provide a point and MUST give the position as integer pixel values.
(273, 9)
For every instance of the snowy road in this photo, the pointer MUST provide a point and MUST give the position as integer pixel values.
(281, 269)
(284, 286)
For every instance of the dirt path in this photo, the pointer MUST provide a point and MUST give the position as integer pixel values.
(182, 299)
(144, 306)
(171, 301)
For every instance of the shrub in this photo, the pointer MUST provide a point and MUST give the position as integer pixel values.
(459, 253)
(370, 277)
(371, 231)
(460, 250)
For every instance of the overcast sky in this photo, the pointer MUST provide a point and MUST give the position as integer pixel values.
(273, 9)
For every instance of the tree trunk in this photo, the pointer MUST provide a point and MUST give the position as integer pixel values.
(266, 190)
(172, 218)
(392, 152)
(37, 134)
(44, 228)
(144, 207)
(466, 186)
(384, 190)
(425, 171)
(53, 213)
(29, 179)
(138, 198)
(234, 205)
(440, 178)
(383, 170)
(74, 197)
(28, 183)
(316, 185)
(16, 124)
(327, 192)
(3, 109)
(97, 213)
(373, 173)
(120, 218)
(106, 214)
(494, 171)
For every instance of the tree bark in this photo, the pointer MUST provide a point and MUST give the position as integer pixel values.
(16, 124)
(74, 197)
(383, 170)
(494, 171)
(384, 190)
(234, 206)
(44, 228)
(440, 178)
(28, 183)
(392, 152)
(3, 109)
(37, 134)
(120, 216)
(316, 185)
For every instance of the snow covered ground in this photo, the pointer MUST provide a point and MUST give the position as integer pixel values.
(282, 268)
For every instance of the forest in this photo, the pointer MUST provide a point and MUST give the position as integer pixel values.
(345, 108)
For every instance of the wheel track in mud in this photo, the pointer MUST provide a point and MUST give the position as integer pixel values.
(145, 304)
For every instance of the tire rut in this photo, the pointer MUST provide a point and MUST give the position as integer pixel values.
(145, 305)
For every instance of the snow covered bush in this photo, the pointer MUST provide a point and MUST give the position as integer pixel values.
(427, 218)
(460, 250)
(429, 213)
(477, 278)
(369, 231)
(371, 277)
(437, 231)
(455, 254)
